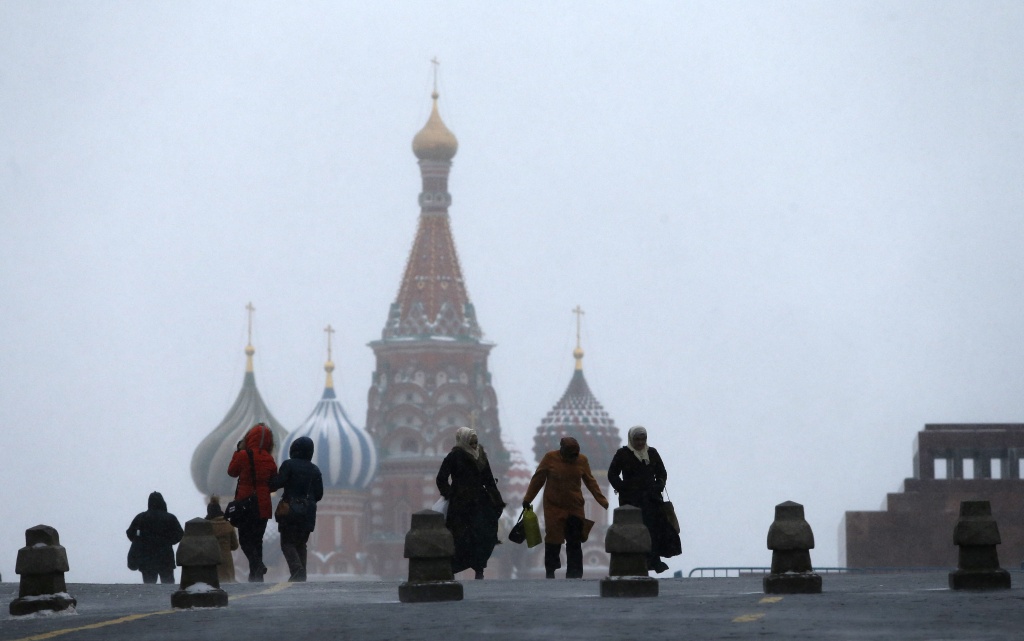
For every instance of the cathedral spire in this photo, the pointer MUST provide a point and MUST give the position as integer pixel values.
(578, 352)
(249, 349)
(432, 300)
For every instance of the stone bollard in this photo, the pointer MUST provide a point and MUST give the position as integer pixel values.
(977, 534)
(198, 555)
(628, 543)
(42, 564)
(429, 546)
(791, 540)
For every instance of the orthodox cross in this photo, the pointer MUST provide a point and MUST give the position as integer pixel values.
(437, 63)
(329, 330)
(250, 309)
(579, 316)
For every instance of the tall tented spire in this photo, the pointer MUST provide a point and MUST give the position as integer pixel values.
(432, 299)
(212, 455)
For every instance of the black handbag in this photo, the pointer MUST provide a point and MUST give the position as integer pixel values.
(243, 512)
(518, 532)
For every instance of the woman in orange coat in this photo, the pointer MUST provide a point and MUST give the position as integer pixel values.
(560, 473)
(259, 441)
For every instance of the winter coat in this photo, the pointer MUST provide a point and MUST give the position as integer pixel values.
(227, 539)
(474, 506)
(640, 484)
(633, 479)
(260, 441)
(300, 477)
(563, 496)
(153, 534)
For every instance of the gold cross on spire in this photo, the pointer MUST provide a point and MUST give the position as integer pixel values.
(437, 63)
(578, 352)
(250, 309)
(330, 331)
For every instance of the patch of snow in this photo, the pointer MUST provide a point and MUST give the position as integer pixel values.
(198, 588)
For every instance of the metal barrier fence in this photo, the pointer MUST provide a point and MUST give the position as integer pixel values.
(736, 571)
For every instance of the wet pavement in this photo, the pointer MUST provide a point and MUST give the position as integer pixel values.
(893, 606)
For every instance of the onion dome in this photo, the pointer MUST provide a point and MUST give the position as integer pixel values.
(517, 478)
(345, 454)
(580, 415)
(210, 459)
(435, 141)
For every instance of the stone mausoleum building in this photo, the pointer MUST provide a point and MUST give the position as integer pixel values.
(952, 463)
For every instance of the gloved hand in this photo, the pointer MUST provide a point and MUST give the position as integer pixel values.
(527, 506)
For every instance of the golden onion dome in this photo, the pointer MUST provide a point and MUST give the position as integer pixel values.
(435, 141)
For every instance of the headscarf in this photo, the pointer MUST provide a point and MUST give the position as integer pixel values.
(642, 452)
(462, 441)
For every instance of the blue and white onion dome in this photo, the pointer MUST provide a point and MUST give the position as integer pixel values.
(345, 454)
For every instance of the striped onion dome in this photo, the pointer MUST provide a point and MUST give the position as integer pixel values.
(345, 454)
(212, 455)
(518, 477)
(580, 415)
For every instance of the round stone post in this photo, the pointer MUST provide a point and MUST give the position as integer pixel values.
(429, 546)
(977, 534)
(628, 543)
(198, 555)
(791, 540)
(42, 564)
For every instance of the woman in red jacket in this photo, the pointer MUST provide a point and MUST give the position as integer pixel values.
(252, 479)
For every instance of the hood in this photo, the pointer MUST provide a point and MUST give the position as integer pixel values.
(302, 448)
(259, 437)
(156, 502)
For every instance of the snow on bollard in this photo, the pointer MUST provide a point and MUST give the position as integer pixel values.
(977, 535)
(628, 543)
(42, 564)
(791, 540)
(429, 546)
(198, 555)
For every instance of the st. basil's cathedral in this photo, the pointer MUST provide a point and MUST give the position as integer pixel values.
(431, 377)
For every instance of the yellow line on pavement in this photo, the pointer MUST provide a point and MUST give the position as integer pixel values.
(770, 599)
(749, 618)
(135, 617)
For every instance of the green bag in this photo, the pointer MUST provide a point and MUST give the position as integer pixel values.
(532, 527)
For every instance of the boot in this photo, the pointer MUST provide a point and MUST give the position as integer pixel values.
(552, 552)
(573, 560)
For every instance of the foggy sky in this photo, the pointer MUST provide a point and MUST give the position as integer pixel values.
(794, 227)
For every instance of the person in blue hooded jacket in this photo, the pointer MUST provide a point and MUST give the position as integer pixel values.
(302, 482)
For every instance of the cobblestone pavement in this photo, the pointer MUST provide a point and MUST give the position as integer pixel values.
(908, 606)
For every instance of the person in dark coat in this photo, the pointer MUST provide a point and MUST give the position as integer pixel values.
(638, 475)
(561, 473)
(153, 534)
(301, 480)
(474, 502)
(259, 441)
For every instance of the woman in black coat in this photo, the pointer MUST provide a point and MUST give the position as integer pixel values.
(638, 475)
(153, 534)
(302, 482)
(474, 503)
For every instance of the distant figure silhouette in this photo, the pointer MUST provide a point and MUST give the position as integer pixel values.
(302, 482)
(227, 539)
(258, 441)
(153, 534)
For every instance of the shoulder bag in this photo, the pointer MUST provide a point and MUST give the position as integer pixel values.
(243, 512)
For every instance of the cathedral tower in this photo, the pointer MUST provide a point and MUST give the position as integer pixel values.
(431, 374)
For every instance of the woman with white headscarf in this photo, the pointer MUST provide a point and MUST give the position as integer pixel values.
(638, 475)
(474, 503)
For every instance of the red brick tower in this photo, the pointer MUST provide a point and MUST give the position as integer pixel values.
(431, 374)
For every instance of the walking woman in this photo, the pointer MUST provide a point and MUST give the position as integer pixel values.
(303, 487)
(560, 473)
(638, 475)
(153, 534)
(253, 465)
(474, 503)
(227, 540)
